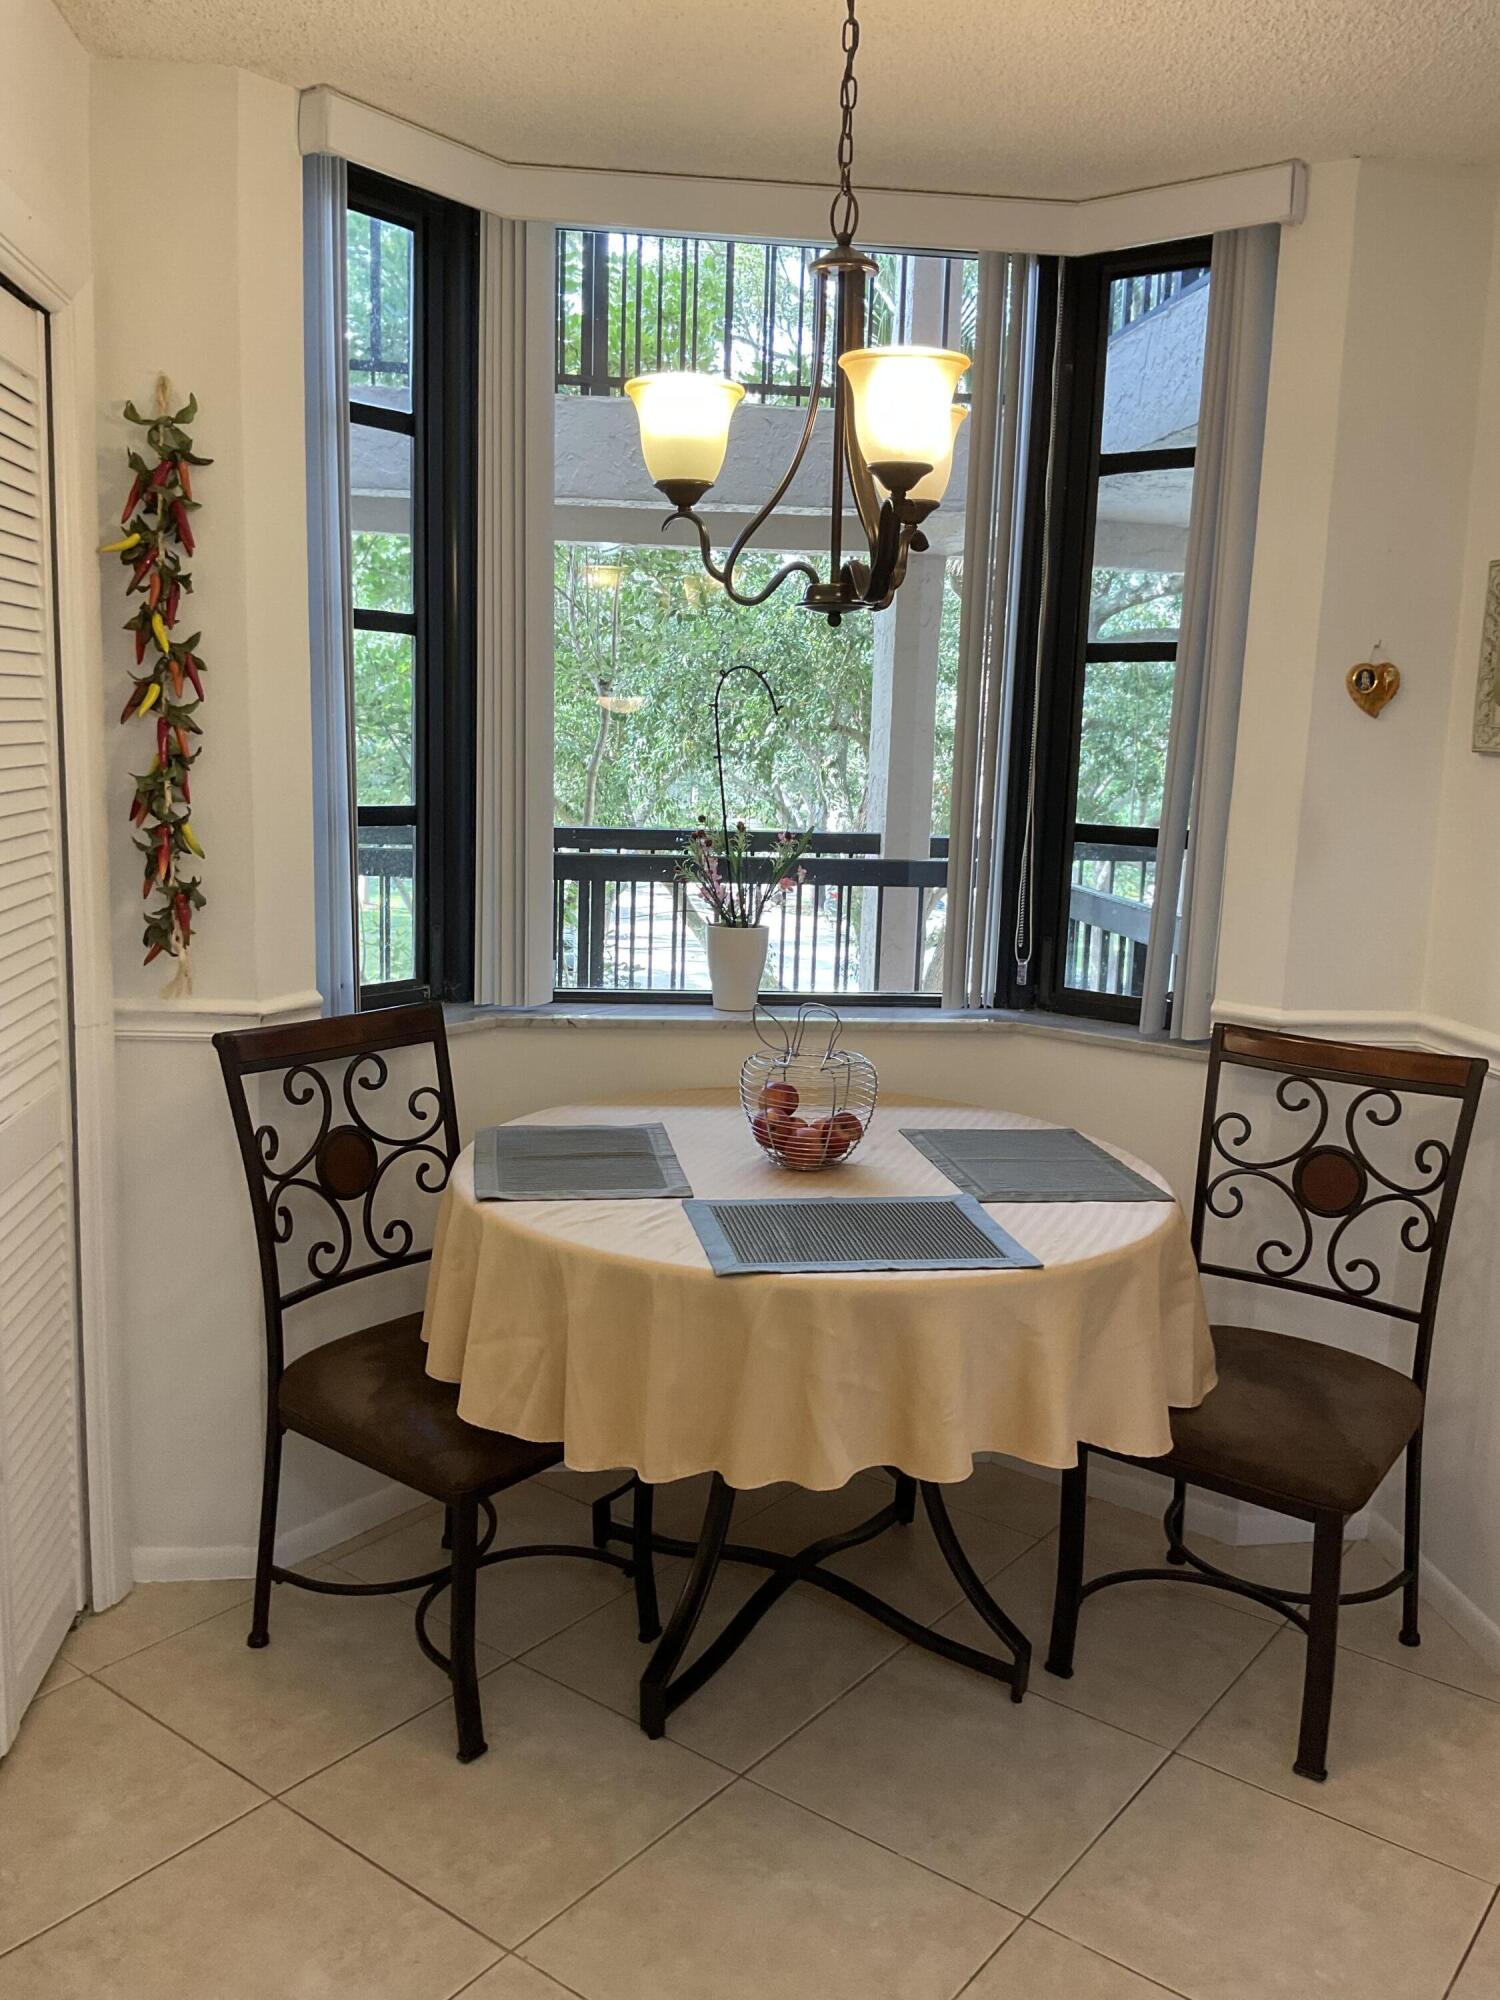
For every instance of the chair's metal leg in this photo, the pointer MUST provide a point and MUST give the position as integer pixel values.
(1177, 1522)
(643, 1564)
(265, 1553)
(673, 1643)
(1322, 1647)
(1069, 1593)
(906, 1499)
(468, 1712)
(1412, 1588)
(447, 1527)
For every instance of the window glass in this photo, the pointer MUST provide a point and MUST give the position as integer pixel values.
(387, 904)
(1153, 366)
(380, 518)
(1140, 553)
(862, 751)
(379, 265)
(384, 717)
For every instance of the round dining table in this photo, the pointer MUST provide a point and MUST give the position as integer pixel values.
(601, 1324)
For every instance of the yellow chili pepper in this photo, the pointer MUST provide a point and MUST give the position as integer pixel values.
(159, 632)
(113, 548)
(191, 838)
(150, 697)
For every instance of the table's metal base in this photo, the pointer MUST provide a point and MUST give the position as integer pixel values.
(666, 1683)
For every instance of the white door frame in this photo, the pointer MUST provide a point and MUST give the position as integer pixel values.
(62, 286)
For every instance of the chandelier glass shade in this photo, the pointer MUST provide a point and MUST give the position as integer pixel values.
(895, 424)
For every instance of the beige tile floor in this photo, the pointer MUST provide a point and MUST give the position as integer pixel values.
(838, 1816)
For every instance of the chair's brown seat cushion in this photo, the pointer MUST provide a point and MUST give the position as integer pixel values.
(370, 1397)
(1294, 1421)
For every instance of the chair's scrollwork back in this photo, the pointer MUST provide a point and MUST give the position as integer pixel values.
(1339, 1164)
(350, 1129)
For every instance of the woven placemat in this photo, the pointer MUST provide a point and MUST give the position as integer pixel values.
(1020, 1164)
(896, 1233)
(576, 1163)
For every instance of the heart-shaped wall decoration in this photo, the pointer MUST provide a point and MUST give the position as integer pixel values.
(1372, 685)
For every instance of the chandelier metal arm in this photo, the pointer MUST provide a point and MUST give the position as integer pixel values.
(725, 576)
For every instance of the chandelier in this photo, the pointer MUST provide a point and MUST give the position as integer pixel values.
(894, 423)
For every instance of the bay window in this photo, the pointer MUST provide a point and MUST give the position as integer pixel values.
(986, 768)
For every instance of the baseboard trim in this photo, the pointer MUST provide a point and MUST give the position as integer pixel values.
(210, 1565)
(1475, 1627)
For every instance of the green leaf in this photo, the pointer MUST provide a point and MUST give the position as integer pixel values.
(188, 411)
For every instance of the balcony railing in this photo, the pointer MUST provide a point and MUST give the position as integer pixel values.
(1132, 299)
(622, 923)
(1109, 916)
(631, 304)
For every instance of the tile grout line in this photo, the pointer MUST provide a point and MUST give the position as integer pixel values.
(909, 1860)
(131, 1880)
(1149, 1779)
(1321, 1812)
(1468, 1950)
(1175, 1991)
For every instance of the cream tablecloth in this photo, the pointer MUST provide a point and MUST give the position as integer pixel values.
(600, 1324)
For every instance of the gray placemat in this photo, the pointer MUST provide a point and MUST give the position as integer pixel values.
(941, 1232)
(1017, 1164)
(576, 1163)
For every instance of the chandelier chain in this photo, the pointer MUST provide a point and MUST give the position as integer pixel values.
(844, 214)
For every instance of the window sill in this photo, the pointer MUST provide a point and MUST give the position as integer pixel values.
(469, 1020)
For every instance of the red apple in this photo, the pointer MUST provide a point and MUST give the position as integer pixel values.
(781, 1096)
(836, 1142)
(849, 1128)
(762, 1130)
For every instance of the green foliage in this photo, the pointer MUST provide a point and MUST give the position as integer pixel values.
(670, 297)
(665, 642)
(383, 683)
(387, 335)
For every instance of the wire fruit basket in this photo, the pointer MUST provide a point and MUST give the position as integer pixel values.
(808, 1107)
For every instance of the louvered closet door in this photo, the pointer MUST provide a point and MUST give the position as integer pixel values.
(41, 1566)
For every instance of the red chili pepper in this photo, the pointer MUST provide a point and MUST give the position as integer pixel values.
(153, 590)
(154, 952)
(174, 597)
(140, 644)
(163, 852)
(163, 472)
(145, 563)
(183, 750)
(137, 810)
(133, 701)
(186, 790)
(129, 507)
(184, 529)
(190, 667)
(163, 740)
(184, 913)
(174, 668)
(184, 478)
(149, 884)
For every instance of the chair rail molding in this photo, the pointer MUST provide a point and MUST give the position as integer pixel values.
(1413, 1030)
(589, 197)
(199, 1020)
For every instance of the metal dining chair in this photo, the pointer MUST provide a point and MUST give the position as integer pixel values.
(340, 1149)
(1332, 1174)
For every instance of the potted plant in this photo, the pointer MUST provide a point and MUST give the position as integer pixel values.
(735, 885)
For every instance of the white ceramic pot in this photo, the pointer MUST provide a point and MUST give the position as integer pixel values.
(736, 960)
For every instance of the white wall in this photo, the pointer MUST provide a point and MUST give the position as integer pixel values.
(224, 321)
(1376, 512)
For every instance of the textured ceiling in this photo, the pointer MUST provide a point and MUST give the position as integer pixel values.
(1031, 97)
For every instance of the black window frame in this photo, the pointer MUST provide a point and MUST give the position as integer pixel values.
(442, 425)
(1054, 655)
